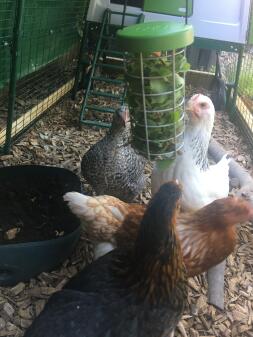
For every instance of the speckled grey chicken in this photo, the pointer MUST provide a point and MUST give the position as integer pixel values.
(135, 292)
(112, 166)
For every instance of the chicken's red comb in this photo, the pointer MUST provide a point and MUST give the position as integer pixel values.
(196, 96)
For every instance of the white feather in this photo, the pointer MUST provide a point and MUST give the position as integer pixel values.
(116, 212)
(78, 203)
(102, 248)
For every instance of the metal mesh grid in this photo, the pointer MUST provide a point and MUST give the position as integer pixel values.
(228, 62)
(244, 100)
(49, 44)
(6, 25)
(155, 95)
(243, 113)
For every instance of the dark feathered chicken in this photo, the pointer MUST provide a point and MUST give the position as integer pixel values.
(136, 293)
(112, 166)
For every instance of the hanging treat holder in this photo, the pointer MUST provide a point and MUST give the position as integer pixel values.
(155, 74)
(156, 102)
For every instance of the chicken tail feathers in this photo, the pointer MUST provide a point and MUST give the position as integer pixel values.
(80, 205)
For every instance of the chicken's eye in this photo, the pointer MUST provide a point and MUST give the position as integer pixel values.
(203, 105)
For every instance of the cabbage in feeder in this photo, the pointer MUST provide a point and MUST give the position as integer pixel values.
(156, 85)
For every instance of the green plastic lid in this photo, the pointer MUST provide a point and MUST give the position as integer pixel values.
(155, 36)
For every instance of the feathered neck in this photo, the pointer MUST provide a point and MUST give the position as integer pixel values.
(120, 135)
(158, 272)
(196, 142)
(161, 278)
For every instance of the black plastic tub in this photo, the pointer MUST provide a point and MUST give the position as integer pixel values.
(31, 205)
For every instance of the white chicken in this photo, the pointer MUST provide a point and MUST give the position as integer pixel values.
(202, 183)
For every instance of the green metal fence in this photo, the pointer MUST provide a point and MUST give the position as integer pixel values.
(39, 44)
(6, 26)
(235, 63)
(241, 107)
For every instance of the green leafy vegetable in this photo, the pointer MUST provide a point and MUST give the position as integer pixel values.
(161, 92)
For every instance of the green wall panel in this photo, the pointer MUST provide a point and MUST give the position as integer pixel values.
(6, 26)
(51, 28)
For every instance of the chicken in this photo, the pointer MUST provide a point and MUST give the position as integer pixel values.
(137, 292)
(202, 183)
(101, 216)
(112, 166)
(207, 236)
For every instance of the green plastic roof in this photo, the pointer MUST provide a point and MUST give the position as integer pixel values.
(155, 36)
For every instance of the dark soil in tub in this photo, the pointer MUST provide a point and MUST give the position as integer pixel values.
(32, 207)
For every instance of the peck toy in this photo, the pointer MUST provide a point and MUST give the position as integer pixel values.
(155, 74)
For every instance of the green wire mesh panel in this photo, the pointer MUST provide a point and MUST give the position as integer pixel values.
(50, 36)
(228, 63)
(155, 69)
(6, 26)
(7, 14)
(244, 100)
(242, 111)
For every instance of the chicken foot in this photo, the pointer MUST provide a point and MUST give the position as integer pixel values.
(215, 277)
(181, 329)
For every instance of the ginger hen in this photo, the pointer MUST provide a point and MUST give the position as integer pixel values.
(143, 289)
(207, 236)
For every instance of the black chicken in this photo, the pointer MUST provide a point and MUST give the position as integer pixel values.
(136, 293)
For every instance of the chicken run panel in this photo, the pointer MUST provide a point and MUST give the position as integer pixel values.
(6, 26)
(50, 29)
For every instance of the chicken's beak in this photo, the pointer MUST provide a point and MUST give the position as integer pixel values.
(125, 115)
(196, 113)
(191, 107)
(192, 110)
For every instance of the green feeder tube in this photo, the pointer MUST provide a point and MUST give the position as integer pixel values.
(155, 68)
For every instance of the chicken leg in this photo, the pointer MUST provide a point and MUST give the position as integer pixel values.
(181, 329)
(215, 277)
